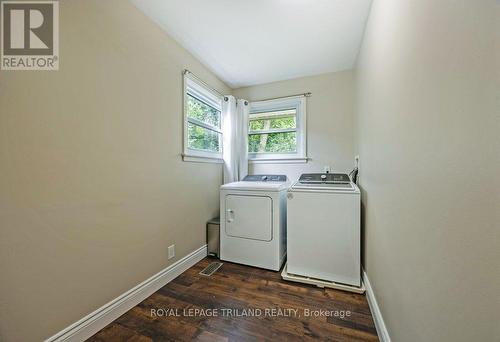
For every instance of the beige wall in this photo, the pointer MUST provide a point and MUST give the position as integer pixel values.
(329, 121)
(92, 186)
(428, 137)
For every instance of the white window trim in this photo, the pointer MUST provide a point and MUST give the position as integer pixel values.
(299, 104)
(199, 89)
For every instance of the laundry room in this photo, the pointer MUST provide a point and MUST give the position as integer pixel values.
(261, 170)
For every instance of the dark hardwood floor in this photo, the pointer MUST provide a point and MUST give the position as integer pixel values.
(233, 292)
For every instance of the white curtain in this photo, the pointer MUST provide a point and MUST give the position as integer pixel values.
(229, 126)
(243, 110)
(235, 139)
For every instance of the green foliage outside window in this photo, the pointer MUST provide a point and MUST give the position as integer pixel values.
(273, 142)
(201, 138)
(203, 112)
(279, 142)
(274, 123)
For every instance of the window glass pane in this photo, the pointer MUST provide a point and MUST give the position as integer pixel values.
(203, 112)
(283, 119)
(281, 122)
(200, 138)
(273, 142)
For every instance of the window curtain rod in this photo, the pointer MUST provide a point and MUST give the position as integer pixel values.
(308, 94)
(186, 72)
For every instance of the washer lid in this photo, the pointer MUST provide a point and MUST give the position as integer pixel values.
(326, 187)
(256, 186)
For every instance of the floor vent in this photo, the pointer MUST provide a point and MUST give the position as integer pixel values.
(210, 269)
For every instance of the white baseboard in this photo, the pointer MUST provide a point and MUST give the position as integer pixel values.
(95, 321)
(382, 332)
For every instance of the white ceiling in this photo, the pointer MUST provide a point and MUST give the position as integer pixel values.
(247, 42)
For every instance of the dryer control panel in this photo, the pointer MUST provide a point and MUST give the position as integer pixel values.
(265, 178)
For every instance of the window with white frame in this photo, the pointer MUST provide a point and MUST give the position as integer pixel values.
(277, 130)
(202, 120)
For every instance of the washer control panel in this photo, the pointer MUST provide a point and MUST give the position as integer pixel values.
(265, 178)
(329, 178)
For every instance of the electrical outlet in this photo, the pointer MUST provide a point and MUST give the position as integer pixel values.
(356, 161)
(171, 251)
(327, 169)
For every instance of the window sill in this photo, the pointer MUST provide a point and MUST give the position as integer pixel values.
(278, 160)
(198, 159)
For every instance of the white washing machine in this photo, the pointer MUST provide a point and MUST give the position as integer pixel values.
(253, 221)
(323, 228)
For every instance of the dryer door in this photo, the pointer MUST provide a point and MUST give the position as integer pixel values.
(249, 217)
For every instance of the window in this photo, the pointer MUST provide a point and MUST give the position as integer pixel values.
(277, 130)
(202, 122)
